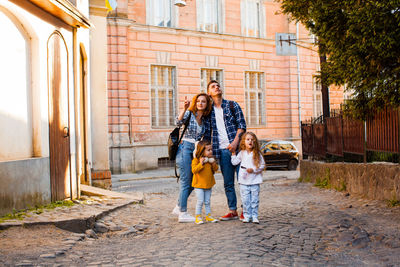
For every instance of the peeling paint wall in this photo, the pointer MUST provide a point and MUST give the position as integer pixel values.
(24, 183)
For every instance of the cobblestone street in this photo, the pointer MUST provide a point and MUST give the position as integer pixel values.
(300, 225)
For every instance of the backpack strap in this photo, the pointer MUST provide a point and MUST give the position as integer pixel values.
(180, 139)
(186, 125)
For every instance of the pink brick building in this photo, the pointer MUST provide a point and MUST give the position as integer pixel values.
(159, 53)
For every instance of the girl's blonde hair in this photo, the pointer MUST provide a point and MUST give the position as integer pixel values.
(256, 148)
(201, 147)
(193, 104)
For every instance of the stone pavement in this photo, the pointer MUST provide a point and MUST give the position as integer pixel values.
(300, 225)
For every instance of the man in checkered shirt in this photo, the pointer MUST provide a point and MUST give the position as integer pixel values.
(227, 125)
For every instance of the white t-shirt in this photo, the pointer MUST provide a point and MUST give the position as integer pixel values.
(245, 159)
(222, 134)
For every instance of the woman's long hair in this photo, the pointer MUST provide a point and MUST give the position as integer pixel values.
(256, 148)
(193, 104)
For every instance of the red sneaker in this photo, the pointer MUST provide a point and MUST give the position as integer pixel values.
(241, 216)
(229, 216)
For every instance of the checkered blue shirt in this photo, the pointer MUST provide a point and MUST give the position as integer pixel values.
(233, 122)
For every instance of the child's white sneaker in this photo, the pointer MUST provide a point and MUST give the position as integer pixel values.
(185, 217)
(246, 220)
(176, 210)
(255, 220)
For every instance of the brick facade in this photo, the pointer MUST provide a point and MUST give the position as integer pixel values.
(135, 46)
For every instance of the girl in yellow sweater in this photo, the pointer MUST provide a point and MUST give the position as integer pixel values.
(203, 167)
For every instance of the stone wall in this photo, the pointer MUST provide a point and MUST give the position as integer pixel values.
(136, 157)
(379, 181)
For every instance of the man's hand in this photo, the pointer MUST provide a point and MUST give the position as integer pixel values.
(233, 146)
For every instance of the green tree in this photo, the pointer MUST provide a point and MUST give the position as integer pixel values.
(361, 39)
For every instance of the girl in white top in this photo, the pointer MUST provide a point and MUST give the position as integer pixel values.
(250, 175)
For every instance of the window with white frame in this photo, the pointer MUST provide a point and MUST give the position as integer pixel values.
(211, 74)
(317, 98)
(161, 13)
(252, 18)
(209, 15)
(255, 98)
(163, 94)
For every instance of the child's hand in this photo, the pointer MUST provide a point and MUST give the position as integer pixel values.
(249, 170)
(202, 160)
(233, 153)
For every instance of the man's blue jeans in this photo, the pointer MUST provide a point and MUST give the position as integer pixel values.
(228, 172)
(184, 162)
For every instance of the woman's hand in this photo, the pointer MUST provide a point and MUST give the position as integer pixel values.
(186, 104)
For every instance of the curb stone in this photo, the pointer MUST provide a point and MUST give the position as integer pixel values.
(80, 217)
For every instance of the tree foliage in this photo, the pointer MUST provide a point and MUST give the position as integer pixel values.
(362, 41)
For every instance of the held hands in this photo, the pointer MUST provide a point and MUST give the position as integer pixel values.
(232, 146)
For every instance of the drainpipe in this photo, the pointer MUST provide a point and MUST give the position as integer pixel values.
(298, 77)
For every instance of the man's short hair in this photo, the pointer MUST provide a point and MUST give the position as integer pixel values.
(210, 82)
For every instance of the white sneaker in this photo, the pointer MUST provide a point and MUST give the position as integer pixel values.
(176, 210)
(255, 220)
(185, 217)
(246, 220)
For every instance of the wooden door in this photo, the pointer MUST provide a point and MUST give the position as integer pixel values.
(82, 164)
(60, 173)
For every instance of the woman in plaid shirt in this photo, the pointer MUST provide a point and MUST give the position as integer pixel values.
(197, 113)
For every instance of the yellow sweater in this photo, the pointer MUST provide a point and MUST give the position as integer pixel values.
(203, 175)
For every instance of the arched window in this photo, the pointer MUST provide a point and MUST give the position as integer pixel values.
(16, 140)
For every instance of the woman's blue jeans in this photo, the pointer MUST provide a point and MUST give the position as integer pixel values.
(184, 162)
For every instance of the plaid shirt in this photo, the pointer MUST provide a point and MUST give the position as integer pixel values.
(233, 122)
(192, 128)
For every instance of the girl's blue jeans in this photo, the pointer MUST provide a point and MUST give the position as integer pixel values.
(250, 200)
(203, 197)
(184, 162)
